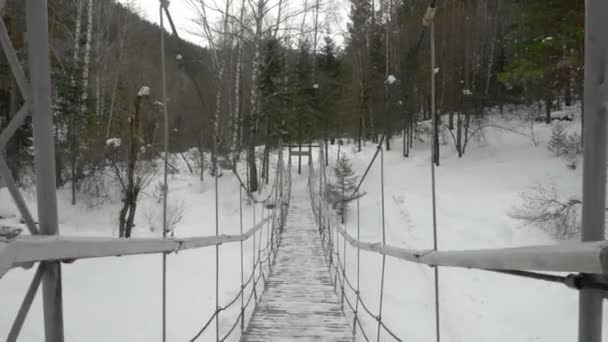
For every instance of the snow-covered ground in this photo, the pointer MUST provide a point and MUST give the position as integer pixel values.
(118, 299)
(475, 194)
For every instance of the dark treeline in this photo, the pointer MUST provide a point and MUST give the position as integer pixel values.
(267, 77)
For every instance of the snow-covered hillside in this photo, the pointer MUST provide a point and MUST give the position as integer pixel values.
(118, 299)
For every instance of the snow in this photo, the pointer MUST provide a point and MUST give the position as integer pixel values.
(113, 142)
(144, 91)
(566, 114)
(315, 86)
(391, 79)
(107, 292)
(436, 70)
(179, 57)
(467, 92)
(474, 195)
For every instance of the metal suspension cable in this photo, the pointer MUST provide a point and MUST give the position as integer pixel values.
(428, 20)
(343, 269)
(338, 268)
(163, 8)
(242, 282)
(253, 262)
(337, 265)
(217, 247)
(369, 166)
(358, 258)
(252, 279)
(383, 240)
(576, 281)
(249, 193)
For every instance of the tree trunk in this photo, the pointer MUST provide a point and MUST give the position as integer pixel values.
(236, 116)
(122, 218)
(131, 191)
(459, 135)
(360, 135)
(87, 58)
(131, 217)
(253, 171)
(548, 107)
(266, 165)
(451, 120)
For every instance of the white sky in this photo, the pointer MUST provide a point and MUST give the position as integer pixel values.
(183, 14)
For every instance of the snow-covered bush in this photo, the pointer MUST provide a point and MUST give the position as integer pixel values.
(97, 186)
(546, 209)
(154, 211)
(154, 216)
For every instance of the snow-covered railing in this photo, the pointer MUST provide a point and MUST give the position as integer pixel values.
(26, 250)
(586, 263)
(581, 257)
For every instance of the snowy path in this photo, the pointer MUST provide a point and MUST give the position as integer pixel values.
(299, 302)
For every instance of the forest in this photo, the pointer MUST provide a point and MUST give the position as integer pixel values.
(273, 72)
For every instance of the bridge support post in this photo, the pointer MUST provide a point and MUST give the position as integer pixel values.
(44, 159)
(594, 162)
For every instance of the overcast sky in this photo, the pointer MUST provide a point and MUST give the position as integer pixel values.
(183, 14)
(180, 11)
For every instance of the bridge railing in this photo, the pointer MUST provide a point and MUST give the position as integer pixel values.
(50, 250)
(26, 250)
(586, 262)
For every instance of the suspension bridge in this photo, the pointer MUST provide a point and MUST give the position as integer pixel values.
(298, 287)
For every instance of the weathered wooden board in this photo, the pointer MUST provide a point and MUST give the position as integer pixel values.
(299, 302)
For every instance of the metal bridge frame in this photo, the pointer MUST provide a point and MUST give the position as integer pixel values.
(46, 247)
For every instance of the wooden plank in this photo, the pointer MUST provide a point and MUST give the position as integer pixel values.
(303, 153)
(299, 302)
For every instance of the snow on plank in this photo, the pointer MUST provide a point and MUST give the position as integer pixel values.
(299, 302)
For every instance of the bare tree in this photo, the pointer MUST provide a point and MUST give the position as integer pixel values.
(133, 173)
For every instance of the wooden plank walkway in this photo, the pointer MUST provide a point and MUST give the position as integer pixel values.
(299, 302)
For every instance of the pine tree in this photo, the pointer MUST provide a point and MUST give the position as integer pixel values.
(271, 96)
(545, 52)
(342, 189)
(559, 140)
(328, 89)
(303, 94)
(358, 45)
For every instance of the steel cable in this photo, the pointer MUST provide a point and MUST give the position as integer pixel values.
(270, 251)
(337, 265)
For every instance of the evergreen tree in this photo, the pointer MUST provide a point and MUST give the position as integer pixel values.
(328, 90)
(545, 52)
(341, 191)
(271, 92)
(271, 87)
(559, 140)
(303, 94)
(358, 49)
